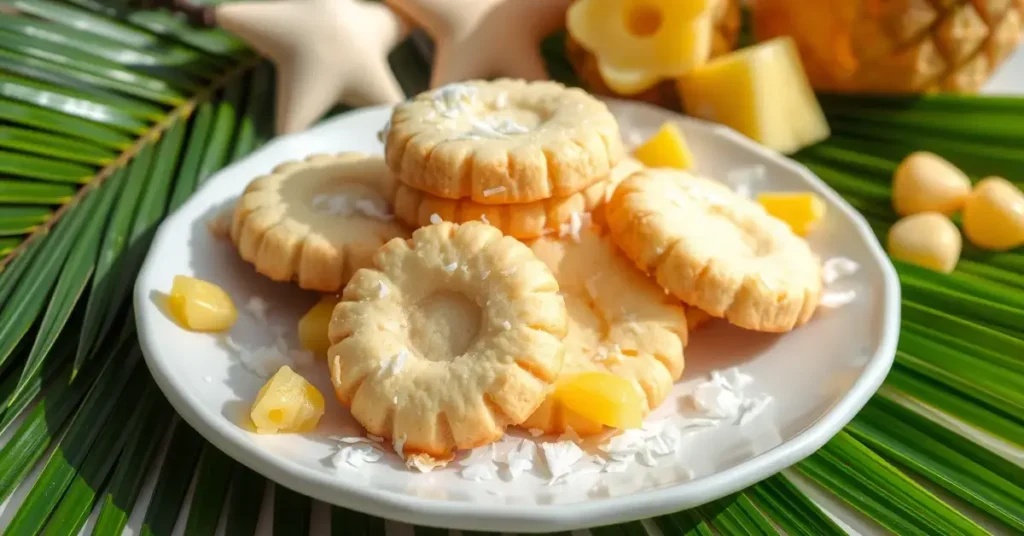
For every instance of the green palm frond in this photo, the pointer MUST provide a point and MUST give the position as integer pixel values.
(112, 117)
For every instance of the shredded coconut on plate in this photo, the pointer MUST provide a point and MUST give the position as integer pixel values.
(837, 298)
(257, 307)
(837, 268)
(435, 219)
(494, 191)
(560, 457)
(521, 459)
(751, 408)
(356, 455)
(479, 466)
(716, 400)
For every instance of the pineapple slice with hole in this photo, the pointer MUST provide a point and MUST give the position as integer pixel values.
(313, 326)
(760, 91)
(602, 398)
(802, 211)
(666, 148)
(287, 403)
(199, 305)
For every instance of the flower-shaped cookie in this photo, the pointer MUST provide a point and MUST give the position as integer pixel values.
(451, 337)
(316, 221)
(640, 42)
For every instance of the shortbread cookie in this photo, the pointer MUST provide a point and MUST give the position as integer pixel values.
(316, 221)
(502, 142)
(523, 220)
(451, 337)
(715, 250)
(619, 322)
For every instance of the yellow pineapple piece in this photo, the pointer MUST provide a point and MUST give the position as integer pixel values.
(666, 148)
(287, 403)
(198, 305)
(993, 216)
(927, 239)
(637, 43)
(602, 398)
(802, 211)
(313, 326)
(760, 91)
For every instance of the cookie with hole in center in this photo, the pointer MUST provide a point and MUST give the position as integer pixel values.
(620, 322)
(448, 339)
(502, 142)
(715, 250)
(316, 221)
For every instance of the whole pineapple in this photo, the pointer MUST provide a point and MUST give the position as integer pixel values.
(895, 46)
(726, 19)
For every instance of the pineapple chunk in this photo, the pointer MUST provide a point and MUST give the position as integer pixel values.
(927, 239)
(198, 305)
(762, 92)
(287, 403)
(993, 215)
(313, 326)
(802, 211)
(603, 398)
(666, 148)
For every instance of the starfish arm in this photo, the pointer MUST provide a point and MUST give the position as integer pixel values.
(526, 64)
(372, 83)
(453, 63)
(305, 92)
(266, 26)
(389, 28)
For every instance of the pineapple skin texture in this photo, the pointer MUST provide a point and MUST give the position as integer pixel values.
(895, 46)
(725, 32)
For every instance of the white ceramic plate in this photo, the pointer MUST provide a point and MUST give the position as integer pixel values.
(818, 376)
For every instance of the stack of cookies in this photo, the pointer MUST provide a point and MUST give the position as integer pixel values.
(524, 157)
(508, 300)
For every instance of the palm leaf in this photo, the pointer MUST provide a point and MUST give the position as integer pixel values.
(143, 108)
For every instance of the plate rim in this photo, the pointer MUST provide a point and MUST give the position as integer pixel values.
(536, 518)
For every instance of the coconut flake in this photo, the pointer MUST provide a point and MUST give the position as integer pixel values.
(382, 290)
(435, 219)
(494, 191)
(368, 208)
(356, 455)
(395, 400)
(560, 457)
(399, 444)
(521, 459)
(501, 100)
(394, 365)
(451, 267)
(257, 307)
(509, 271)
(483, 218)
(264, 361)
(716, 400)
(506, 325)
(734, 378)
(837, 298)
(479, 472)
(536, 432)
(752, 408)
(837, 268)
(573, 227)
